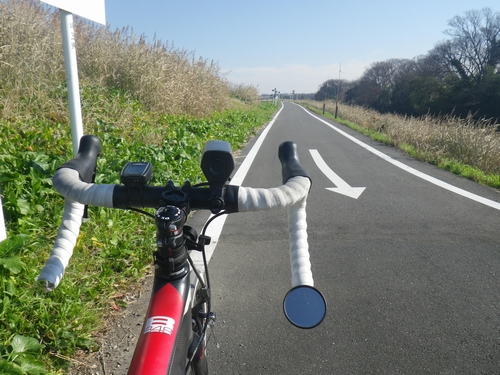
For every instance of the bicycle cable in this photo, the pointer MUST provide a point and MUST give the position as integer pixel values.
(207, 286)
(141, 212)
(203, 231)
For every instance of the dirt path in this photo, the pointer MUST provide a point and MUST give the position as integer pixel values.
(118, 341)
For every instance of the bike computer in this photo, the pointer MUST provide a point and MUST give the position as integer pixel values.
(136, 174)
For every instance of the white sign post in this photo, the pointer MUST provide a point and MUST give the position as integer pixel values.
(75, 109)
(90, 9)
(94, 10)
(3, 232)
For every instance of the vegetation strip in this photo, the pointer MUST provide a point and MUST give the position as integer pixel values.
(453, 144)
(115, 247)
(145, 101)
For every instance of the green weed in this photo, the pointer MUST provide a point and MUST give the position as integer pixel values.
(114, 248)
(145, 101)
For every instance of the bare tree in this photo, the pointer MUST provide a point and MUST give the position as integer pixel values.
(375, 88)
(329, 89)
(475, 44)
(460, 75)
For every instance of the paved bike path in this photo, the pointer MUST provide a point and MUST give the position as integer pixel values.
(409, 269)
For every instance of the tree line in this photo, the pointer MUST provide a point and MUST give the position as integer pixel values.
(459, 76)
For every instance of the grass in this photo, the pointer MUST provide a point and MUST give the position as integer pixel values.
(468, 148)
(145, 101)
(114, 248)
(245, 93)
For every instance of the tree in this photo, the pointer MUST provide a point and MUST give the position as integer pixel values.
(329, 89)
(460, 75)
(375, 88)
(466, 67)
(475, 44)
(419, 86)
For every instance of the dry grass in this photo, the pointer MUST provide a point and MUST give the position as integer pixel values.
(165, 79)
(32, 75)
(246, 93)
(474, 143)
(28, 63)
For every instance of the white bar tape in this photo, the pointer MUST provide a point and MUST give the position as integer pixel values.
(67, 236)
(299, 247)
(251, 199)
(77, 193)
(67, 182)
(292, 195)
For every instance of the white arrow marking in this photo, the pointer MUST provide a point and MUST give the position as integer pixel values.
(342, 186)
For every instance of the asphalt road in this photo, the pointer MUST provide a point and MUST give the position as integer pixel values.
(410, 270)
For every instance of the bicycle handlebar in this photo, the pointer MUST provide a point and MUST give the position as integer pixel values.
(85, 161)
(72, 180)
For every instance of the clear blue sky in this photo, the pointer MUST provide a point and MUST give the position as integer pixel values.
(293, 45)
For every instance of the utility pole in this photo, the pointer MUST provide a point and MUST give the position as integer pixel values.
(326, 94)
(338, 90)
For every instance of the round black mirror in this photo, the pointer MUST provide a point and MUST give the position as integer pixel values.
(304, 306)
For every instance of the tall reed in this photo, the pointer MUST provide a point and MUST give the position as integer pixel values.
(246, 93)
(472, 142)
(32, 76)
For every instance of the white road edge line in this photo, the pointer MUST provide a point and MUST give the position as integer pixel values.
(432, 180)
(215, 228)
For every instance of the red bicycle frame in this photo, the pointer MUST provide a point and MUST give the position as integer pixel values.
(167, 335)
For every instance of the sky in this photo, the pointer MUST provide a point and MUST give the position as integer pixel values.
(293, 45)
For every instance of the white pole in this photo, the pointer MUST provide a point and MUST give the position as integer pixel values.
(75, 110)
(3, 232)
